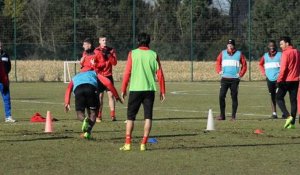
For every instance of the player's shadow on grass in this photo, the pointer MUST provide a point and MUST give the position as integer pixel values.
(183, 147)
(39, 139)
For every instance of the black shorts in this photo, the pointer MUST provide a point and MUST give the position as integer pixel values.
(136, 98)
(86, 96)
(103, 88)
(271, 86)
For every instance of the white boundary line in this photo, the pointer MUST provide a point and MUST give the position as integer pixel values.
(170, 109)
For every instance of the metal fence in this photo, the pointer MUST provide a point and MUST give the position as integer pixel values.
(181, 30)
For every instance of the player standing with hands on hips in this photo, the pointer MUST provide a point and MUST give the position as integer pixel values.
(231, 65)
(142, 66)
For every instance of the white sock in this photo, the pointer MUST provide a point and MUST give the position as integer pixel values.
(274, 113)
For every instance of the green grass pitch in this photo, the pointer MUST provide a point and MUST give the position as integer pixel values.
(183, 147)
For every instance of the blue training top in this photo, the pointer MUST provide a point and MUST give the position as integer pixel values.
(89, 77)
(231, 64)
(272, 66)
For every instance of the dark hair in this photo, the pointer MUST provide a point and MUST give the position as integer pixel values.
(102, 36)
(274, 42)
(286, 39)
(90, 41)
(143, 39)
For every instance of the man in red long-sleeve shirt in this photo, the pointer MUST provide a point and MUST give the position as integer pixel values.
(90, 60)
(109, 60)
(288, 80)
(231, 64)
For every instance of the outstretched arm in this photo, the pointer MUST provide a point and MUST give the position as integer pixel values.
(106, 82)
(68, 96)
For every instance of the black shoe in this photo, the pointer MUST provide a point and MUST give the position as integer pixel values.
(221, 118)
(283, 117)
(274, 117)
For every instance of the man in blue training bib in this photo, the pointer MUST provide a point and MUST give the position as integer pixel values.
(269, 65)
(231, 64)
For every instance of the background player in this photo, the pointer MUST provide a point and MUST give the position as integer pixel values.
(5, 88)
(231, 64)
(269, 65)
(110, 60)
(288, 80)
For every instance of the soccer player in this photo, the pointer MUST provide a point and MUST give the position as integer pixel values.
(269, 65)
(89, 59)
(142, 65)
(288, 80)
(231, 65)
(110, 60)
(5, 88)
(85, 86)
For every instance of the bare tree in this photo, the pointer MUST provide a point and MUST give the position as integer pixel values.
(36, 14)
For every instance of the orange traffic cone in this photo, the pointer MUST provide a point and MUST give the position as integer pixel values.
(48, 124)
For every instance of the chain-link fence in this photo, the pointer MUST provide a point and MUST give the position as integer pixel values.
(181, 30)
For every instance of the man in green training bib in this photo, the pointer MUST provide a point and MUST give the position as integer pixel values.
(142, 66)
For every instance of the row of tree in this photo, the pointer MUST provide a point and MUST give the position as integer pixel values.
(47, 29)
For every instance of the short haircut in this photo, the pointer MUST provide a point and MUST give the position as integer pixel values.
(273, 41)
(286, 39)
(102, 36)
(143, 39)
(88, 40)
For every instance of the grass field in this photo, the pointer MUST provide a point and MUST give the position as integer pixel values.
(183, 147)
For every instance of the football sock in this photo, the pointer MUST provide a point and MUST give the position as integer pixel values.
(100, 114)
(145, 140)
(128, 139)
(112, 114)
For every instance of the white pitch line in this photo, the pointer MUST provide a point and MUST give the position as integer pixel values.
(170, 109)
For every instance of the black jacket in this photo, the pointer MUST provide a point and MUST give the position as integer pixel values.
(6, 61)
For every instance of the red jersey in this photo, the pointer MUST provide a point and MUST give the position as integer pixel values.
(109, 59)
(289, 65)
(91, 61)
(3, 75)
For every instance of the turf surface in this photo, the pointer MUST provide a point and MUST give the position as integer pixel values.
(183, 145)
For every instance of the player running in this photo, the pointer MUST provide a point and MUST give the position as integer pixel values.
(85, 86)
(142, 65)
(110, 59)
(269, 65)
(231, 65)
(288, 80)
